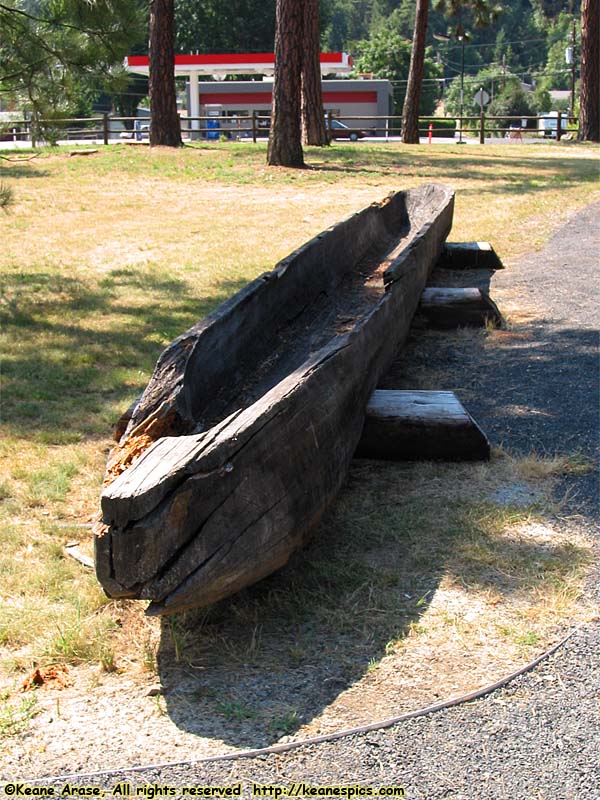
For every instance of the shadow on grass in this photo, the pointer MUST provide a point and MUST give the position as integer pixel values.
(76, 353)
(513, 174)
(275, 656)
(21, 168)
(272, 658)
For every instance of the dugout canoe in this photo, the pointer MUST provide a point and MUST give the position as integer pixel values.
(247, 427)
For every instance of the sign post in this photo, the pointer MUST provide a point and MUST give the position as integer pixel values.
(481, 97)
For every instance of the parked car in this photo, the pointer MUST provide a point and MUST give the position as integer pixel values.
(337, 130)
(140, 131)
(548, 123)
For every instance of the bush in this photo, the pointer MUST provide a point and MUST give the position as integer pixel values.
(511, 103)
(442, 128)
(6, 196)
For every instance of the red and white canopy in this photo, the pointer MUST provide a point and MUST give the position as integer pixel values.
(219, 65)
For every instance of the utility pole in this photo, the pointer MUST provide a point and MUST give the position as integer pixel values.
(503, 71)
(572, 108)
(460, 35)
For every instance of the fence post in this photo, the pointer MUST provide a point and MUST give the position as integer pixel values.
(482, 128)
(254, 125)
(558, 126)
(105, 127)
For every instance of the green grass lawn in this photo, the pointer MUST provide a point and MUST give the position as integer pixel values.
(105, 259)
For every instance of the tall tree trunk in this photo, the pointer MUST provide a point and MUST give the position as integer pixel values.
(285, 145)
(164, 125)
(410, 110)
(314, 129)
(589, 104)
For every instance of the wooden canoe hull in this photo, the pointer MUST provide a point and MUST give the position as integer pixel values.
(199, 516)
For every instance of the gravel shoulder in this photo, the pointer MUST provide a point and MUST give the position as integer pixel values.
(540, 736)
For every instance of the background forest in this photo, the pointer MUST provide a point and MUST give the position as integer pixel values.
(525, 43)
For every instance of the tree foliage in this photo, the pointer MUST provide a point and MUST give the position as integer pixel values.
(55, 55)
(211, 26)
(511, 103)
(387, 55)
(529, 36)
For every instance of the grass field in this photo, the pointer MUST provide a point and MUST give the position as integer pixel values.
(105, 259)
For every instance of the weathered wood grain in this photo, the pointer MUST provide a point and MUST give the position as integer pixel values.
(452, 308)
(258, 410)
(420, 426)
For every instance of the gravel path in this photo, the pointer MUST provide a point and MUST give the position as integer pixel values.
(539, 737)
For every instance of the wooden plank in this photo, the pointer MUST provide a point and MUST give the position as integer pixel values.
(72, 549)
(74, 153)
(452, 308)
(469, 255)
(420, 426)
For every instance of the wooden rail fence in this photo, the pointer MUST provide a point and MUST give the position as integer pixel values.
(108, 129)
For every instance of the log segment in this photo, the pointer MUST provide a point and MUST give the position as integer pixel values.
(420, 426)
(469, 255)
(452, 308)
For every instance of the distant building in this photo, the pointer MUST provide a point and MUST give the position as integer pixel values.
(560, 97)
(346, 99)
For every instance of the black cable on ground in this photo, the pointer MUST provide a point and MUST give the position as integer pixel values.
(327, 737)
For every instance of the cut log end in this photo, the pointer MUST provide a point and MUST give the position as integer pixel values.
(454, 308)
(469, 255)
(420, 426)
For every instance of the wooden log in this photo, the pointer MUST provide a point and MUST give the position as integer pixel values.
(74, 153)
(420, 426)
(469, 255)
(452, 308)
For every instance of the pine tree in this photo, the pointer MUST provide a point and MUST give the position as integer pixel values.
(165, 128)
(589, 105)
(314, 130)
(285, 144)
(410, 111)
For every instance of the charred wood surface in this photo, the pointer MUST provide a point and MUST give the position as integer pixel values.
(247, 428)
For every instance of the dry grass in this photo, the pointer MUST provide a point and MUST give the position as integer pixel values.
(108, 258)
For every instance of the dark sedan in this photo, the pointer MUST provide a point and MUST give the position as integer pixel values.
(337, 130)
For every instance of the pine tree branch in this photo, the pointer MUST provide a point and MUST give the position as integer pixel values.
(50, 22)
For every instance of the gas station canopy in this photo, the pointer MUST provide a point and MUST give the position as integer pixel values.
(220, 65)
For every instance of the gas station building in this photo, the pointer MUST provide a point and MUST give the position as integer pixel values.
(347, 99)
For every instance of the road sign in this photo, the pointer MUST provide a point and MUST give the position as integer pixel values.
(482, 98)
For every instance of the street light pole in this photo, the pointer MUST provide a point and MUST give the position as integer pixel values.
(460, 36)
